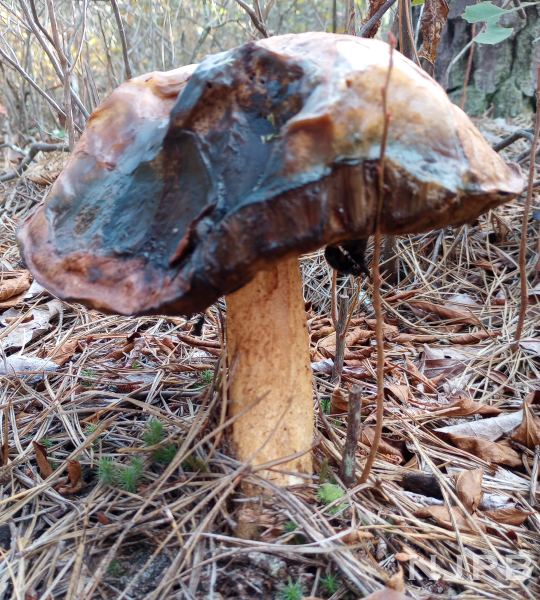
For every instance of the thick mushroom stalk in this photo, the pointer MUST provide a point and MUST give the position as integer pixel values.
(269, 354)
(270, 150)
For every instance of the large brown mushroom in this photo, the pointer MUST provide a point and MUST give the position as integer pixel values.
(271, 150)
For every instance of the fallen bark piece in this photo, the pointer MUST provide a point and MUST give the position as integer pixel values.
(422, 483)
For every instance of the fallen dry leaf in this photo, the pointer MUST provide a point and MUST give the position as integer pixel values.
(397, 581)
(13, 301)
(487, 266)
(403, 296)
(119, 353)
(528, 432)
(442, 516)
(464, 407)
(400, 392)
(493, 452)
(103, 518)
(353, 337)
(432, 23)
(508, 516)
(445, 312)
(469, 488)
(489, 429)
(418, 377)
(41, 459)
(386, 594)
(368, 435)
(355, 536)
(317, 334)
(474, 338)
(411, 338)
(74, 471)
(339, 401)
(64, 353)
(14, 287)
(389, 331)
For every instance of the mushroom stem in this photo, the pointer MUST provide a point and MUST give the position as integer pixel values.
(268, 345)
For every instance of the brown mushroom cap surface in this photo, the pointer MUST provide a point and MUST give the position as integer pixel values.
(270, 151)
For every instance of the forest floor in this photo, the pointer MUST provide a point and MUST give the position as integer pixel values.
(142, 498)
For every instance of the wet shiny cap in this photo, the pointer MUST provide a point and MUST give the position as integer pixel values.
(185, 184)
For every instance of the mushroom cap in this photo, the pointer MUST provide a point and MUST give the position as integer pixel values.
(271, 150)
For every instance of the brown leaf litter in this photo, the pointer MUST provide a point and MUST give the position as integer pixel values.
(452, 478)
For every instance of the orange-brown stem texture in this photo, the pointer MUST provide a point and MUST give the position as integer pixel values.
(269, 354)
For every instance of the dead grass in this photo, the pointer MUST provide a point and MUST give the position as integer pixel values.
(172, 534)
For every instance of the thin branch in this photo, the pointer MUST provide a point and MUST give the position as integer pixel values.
(377, 278)
(376, 18)
(341, 328)
(525, 225)
(123, 40)
(468, 72)
(354, 424)
(253, 16)
(517, 135)
(32, 152)
(64, 62)
(43, 93)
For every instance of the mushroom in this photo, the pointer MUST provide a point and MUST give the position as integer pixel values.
(270, 151)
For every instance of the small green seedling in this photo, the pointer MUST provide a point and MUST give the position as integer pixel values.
(330, 583)
(165, 455)
(86, 375)
(129, 479)
(290, 526)
(115, 568)
(108, 471)
(194, 464)
(155, 432)
(329, 493)
(207, 377)
(292, 591)
(325, 405)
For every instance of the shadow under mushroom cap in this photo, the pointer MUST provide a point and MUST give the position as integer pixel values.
(271, 150)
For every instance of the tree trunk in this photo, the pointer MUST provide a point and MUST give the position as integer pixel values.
(503, 76)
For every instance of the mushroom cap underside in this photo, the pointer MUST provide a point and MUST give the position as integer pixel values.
(185, 184)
